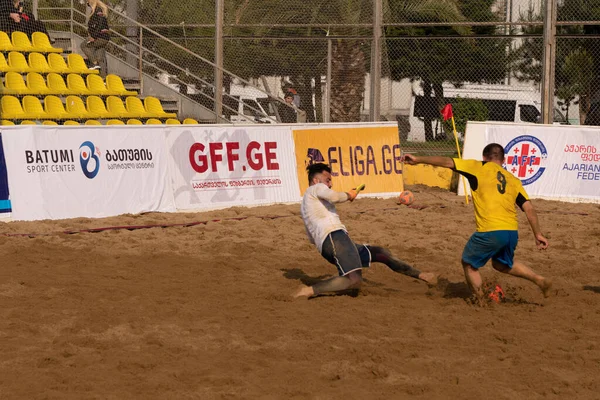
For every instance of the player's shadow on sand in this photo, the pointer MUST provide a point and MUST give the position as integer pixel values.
(595, 289)
(453, 290)
(299, 275)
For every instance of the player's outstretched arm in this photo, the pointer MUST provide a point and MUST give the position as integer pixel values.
(540, 240)
(324, 193)
(437, 161)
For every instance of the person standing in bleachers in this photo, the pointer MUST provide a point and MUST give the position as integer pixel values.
(289, 113)
(95, 46)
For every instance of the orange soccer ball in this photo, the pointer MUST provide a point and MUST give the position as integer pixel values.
(406, 198)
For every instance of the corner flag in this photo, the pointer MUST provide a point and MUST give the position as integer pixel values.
(448, 115)
(447, 112)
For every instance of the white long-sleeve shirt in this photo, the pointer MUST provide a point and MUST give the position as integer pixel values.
(319, 213)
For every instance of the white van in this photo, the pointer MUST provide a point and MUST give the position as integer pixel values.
(248, 110)
(527, 111)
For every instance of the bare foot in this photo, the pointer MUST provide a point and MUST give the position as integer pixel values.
(304, 291)
(429, 277)
(546, 285)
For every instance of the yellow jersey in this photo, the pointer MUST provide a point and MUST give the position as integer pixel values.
(495, 192)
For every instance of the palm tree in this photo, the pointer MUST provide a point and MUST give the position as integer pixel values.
(340, 19)
(455, 59)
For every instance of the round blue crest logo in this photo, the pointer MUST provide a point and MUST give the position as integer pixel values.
(525, 157)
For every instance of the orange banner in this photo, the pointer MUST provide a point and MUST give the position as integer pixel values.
(369, 155)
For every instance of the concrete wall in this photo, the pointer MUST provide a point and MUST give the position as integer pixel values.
(429, 176)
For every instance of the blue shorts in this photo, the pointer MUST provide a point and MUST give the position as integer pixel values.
(497, 245)
(346, 255)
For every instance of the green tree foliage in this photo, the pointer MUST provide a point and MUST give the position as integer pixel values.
(577, 73)
(272, 52)
(453, 60)
(274, 49)
(305, 61)
(466, 109)
(577, 70)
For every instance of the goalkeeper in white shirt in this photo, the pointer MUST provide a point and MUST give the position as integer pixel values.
(326, 231)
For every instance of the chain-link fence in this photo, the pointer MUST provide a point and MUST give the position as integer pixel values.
(360, 60)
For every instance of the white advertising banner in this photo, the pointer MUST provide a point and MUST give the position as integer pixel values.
(552, 161)
(87, 171)
(223, 166)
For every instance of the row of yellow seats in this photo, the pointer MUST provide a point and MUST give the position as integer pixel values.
(151, 121)
(37, 62)
(20, 42)
(55, 84)
(76, 109)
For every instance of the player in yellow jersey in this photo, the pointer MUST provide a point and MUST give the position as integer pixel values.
(495, 192)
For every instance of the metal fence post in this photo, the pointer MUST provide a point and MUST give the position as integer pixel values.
(131, 31)
(375, 92)
(548, 62)
(141, 60)
(220, 11)
(71, 25)
(327, 116)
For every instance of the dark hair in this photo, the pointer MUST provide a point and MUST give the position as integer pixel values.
(494, 151)
(315, 169)
(288, 94)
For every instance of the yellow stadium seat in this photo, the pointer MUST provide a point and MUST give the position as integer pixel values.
(115, 84)
(93, 122)
(54, 108)
(11, 108)
(172, 121)
(134, 121)
(21, 42)
(5, 43)
(33, 108)
(36, 83)
(76, 108)
(76, 84)
(49, 123)
(27, 122)
(153, 121)
(56, 84)
(38, 63)
(77, 64)
(6, 122)
(95, 85)
(18, 63)
(190, 121)
(14, 82)
(3, 89)
(154, 107)
(4, 67)
(116, 107)
(96, 106)
(58, 64)
(135, 107)
(41, 43)
(115, 122)
(69, 122)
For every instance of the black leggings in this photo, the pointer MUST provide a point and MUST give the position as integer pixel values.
(378, 254)
(384, 256)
